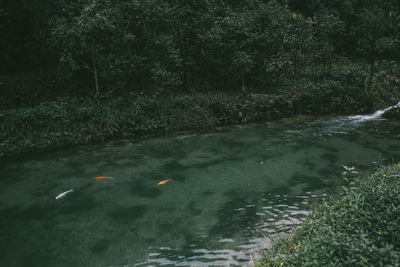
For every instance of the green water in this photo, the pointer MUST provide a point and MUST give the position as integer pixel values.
(219, 208)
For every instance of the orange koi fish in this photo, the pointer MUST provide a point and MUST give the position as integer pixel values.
(103, 178)
(164, 182)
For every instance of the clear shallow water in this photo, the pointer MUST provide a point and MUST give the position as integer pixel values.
(221, 208)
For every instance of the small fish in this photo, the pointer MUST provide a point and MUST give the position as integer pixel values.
(103, 178)
(64, 194)
(163, 182)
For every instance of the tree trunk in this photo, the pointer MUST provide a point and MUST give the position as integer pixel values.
(96, 78)
(38, 90)
(185, 78)
(371, 72)
(243, 87)
(185, 62)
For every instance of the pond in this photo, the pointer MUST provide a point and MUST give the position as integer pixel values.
(229, 193)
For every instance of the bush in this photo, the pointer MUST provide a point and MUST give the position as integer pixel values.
(359, 228)
(74, 120)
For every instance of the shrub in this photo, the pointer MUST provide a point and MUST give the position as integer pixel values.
(361, 227)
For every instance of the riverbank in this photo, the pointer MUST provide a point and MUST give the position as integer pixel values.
(31, 122)
(79, 120)
(358, 228)
(393, 114)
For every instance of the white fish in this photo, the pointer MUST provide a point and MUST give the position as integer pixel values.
(64, 194)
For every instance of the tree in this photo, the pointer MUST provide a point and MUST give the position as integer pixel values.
(282, 42)
(377, 36)
(82, 34)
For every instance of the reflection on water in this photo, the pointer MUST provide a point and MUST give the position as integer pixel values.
(230, 193)
(275, 216)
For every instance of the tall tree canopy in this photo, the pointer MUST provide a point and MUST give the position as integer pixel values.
(105, 45)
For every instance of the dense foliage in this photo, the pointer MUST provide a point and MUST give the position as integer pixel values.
(74, 72)
(359, 228)
(103, 48)
(73, 120)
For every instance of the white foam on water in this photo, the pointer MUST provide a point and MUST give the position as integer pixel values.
(374, 116)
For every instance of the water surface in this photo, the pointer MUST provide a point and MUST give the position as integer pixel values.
(231, 192)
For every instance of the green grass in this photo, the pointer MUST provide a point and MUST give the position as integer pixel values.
(78, 120)
(72, 120)
(361, 227)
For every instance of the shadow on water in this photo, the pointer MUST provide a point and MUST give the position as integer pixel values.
(311, 182)
(173, 165)
(80, 203)
(143, 189)
(230, 221)
(128, 215)
(227, 192)
(101, 246)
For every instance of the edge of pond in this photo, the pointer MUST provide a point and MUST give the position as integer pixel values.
(70, 121)
(29, 152)
(330, 228)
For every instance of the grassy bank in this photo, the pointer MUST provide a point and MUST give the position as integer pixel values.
(29, 122)
(79, 120)
(360, 228)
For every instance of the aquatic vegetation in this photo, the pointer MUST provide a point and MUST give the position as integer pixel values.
(360, 227)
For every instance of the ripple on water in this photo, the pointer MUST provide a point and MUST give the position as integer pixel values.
(128, 215)
(144, 189)
(222, 208)
(278, 218)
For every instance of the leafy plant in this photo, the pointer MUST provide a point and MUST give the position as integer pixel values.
(358, 228)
